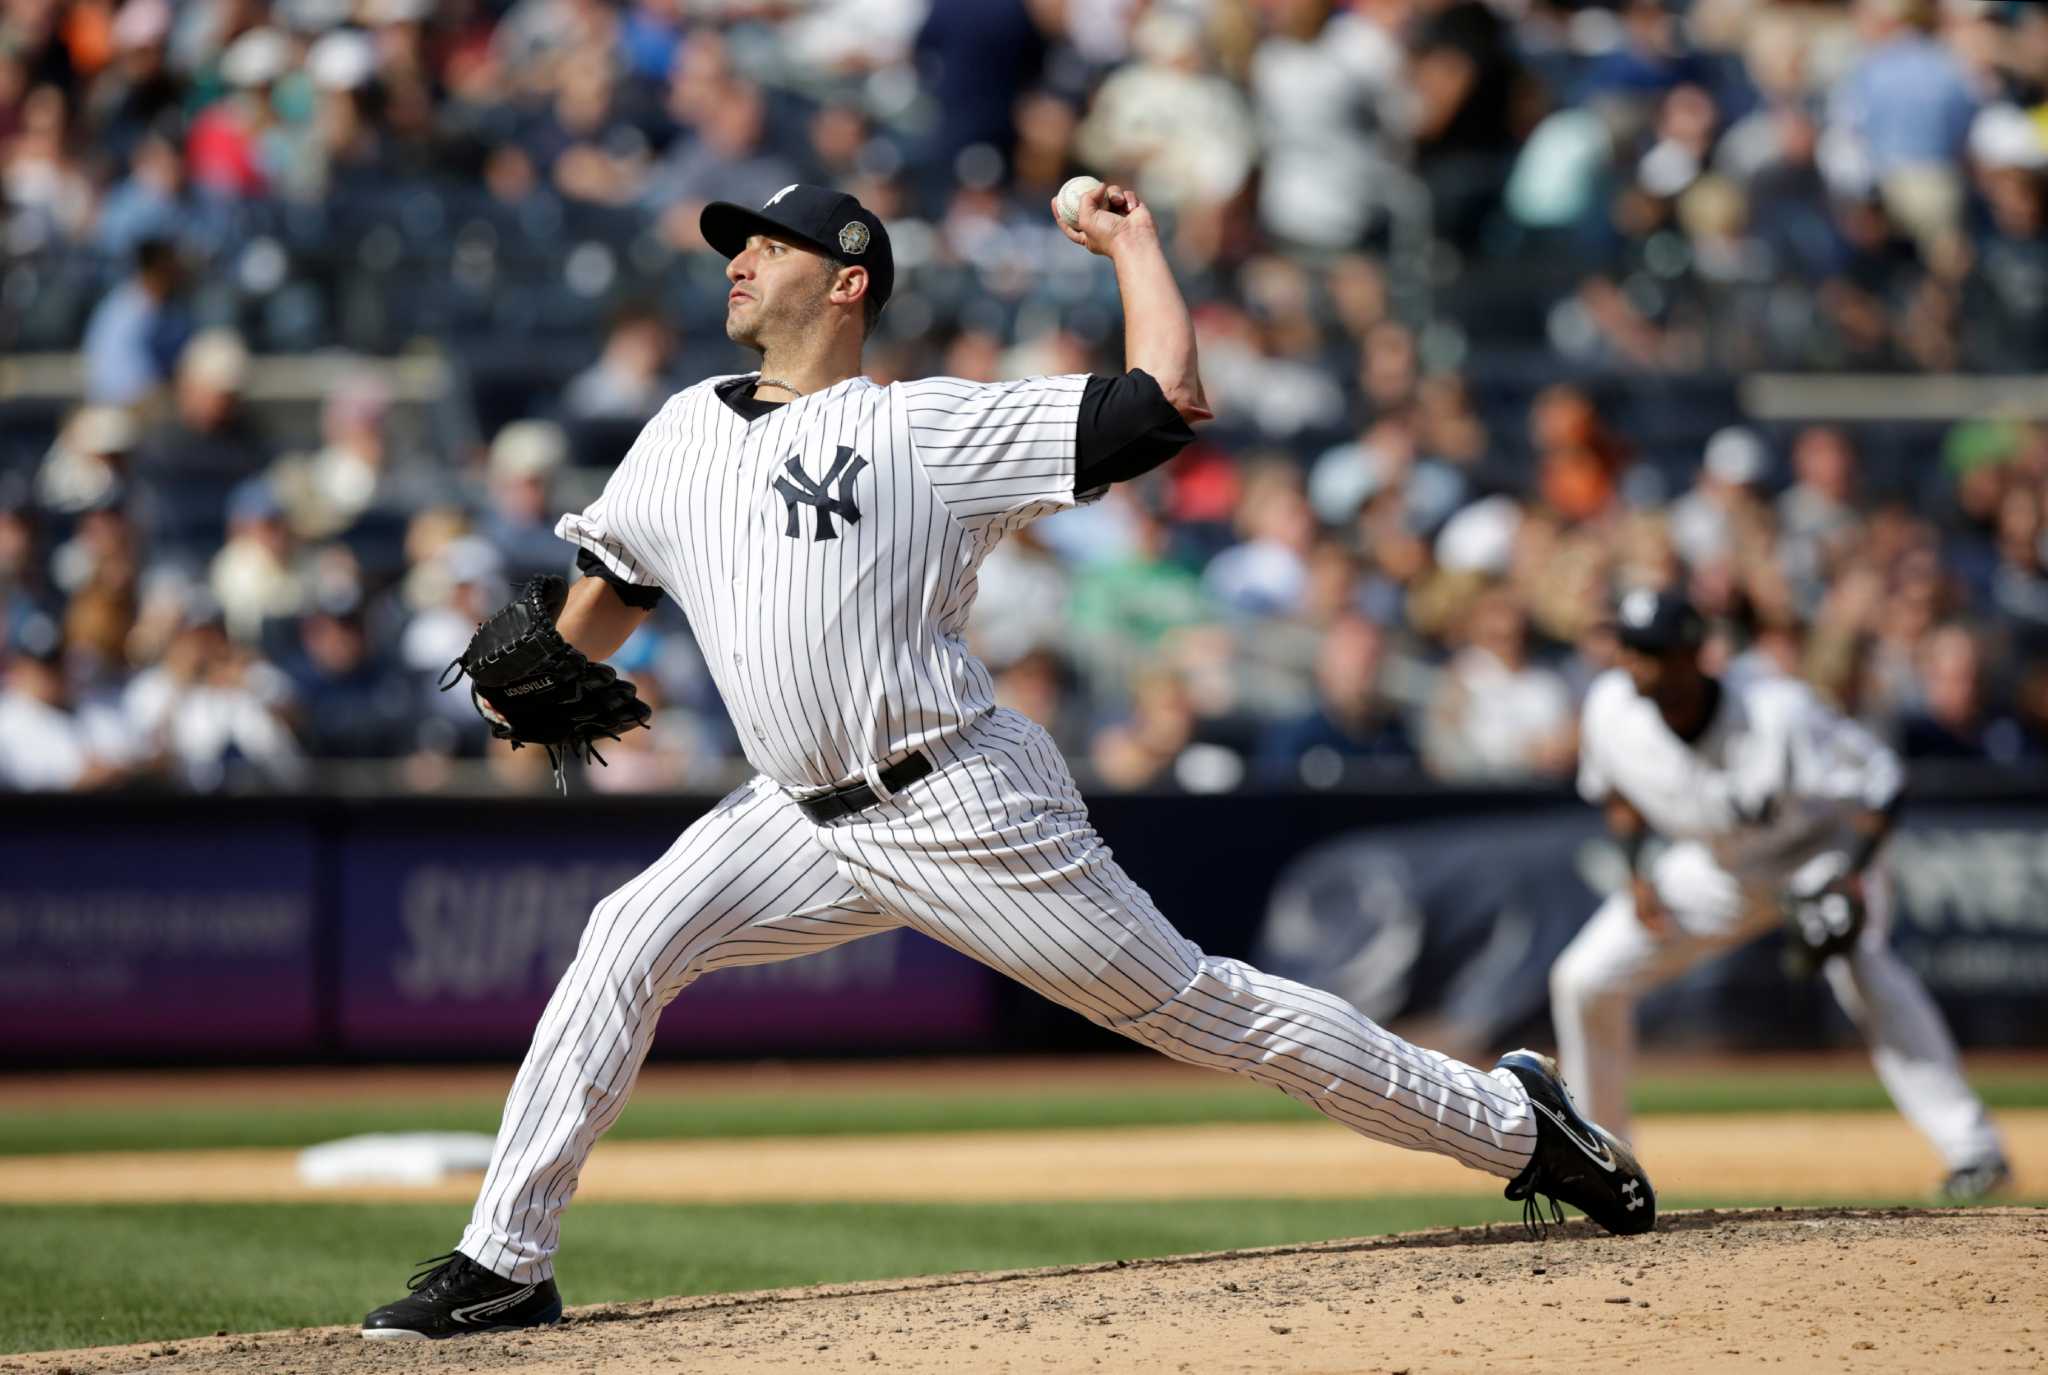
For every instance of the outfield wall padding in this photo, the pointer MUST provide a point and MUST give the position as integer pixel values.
(151, 930)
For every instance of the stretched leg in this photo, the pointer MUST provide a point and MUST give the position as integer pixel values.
(746, 884)
(995, 857)
(1910, 1043)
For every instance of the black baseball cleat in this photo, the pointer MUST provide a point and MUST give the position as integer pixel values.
(1575, 1160)
(1975, 1183)
(453, 1296)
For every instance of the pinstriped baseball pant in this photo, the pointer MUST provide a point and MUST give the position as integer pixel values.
(993, 855)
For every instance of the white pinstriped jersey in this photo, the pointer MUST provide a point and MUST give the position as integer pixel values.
(826, 553)
(1773, 750)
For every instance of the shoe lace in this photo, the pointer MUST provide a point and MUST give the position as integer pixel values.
(432, 1269)
(1534, 1190)
(1533, 1220)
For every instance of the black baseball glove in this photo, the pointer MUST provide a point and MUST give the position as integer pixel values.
(1822, 923)
(535, 688)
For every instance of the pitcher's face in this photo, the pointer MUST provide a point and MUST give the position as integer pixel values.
(778, 291)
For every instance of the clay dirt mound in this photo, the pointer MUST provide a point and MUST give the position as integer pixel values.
(1803, 1289)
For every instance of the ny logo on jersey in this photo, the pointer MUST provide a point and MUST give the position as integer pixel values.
(846, 466)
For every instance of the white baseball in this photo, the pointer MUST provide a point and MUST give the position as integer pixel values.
(1070, 198)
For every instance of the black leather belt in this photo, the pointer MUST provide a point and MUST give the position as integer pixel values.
(858, 797)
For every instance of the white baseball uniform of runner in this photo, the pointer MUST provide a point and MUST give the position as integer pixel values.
(825, 554)
(1770, 741)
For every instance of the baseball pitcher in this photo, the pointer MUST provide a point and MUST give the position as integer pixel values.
(822, 533)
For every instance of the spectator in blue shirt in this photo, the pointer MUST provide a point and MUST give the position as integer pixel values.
(1908, 102)
(353, 702)
(1353, 723)
(134, 336)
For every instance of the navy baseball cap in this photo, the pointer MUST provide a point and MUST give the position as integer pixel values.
(832, 222)
(1658, 622)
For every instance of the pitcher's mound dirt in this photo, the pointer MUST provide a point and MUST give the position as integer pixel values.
(1812, 1289)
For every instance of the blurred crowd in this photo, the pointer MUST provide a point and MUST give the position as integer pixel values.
(1473, 283)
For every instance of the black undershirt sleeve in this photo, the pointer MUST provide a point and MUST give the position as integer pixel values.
(1127, 428)
(633, 594)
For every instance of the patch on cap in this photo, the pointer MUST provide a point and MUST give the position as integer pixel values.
(853, 237)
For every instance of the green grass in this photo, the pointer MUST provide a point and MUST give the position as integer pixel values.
(1813, 1091)
(653, 1116)
(106, 1274)
(650, 1117)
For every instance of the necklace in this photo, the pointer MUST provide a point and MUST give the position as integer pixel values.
(761, 382)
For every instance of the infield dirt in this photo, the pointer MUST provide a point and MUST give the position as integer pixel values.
(1709, 1157)
(1832, 1289)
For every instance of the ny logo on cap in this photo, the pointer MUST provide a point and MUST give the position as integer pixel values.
(780, 194)
(1639, 607)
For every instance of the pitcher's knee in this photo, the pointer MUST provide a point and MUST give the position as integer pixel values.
(1195, 1012)
(636, 952)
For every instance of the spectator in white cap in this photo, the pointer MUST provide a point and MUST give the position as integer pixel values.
(185, 468)
(520, 520)
(2005, 311)
(228, 147)
(1480, 538)
(341, 60)
(1707, 521)
(343, 140)
(216, 362)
